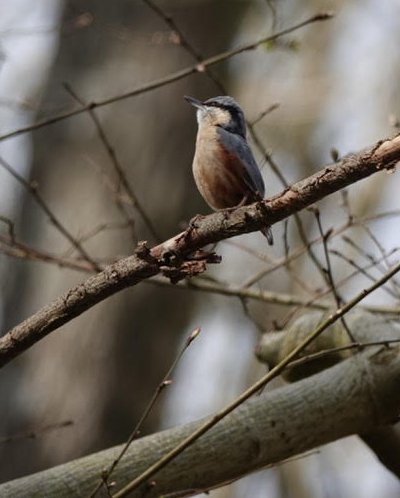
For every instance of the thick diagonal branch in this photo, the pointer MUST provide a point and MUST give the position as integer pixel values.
(171, 256)
(359, 395)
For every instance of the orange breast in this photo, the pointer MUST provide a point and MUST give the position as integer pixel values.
(219, 175)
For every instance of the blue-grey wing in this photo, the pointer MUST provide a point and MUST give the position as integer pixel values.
(237, 145)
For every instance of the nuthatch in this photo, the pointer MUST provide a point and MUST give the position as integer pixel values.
(224, 168)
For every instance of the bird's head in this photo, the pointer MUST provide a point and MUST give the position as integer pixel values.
(221, 111)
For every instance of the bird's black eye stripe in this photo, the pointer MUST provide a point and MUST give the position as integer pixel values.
(214, 104)
(222, 106)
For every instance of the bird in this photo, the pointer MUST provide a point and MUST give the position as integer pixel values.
(224, 169)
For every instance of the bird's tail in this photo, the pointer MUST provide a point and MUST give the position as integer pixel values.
(267, 232)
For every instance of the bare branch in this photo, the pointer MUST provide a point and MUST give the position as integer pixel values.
(299, 251)
(178, 75)
(119, 171)
(362, 270)
(36, 432)
(173, 256)
(329, 272)
(266, 296)
(265, 112)
(33, 190)
(19, 250)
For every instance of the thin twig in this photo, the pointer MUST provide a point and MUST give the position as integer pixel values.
(382, 250)
(361, 270)
(266, 296)
(299, 251)
(327, 352)
(264, 113)
(33, 190)
(272, 8)
(184, 42)
(166, 381)
(310, 302)
(123, 180)
(97, 230)
(35, 433)
(329, 273)
(19, 250)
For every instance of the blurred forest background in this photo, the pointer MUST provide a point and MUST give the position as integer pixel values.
(337, 85)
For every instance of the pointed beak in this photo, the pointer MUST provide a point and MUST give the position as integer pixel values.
(194, 102)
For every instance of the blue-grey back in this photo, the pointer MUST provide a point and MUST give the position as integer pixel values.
(237, 145)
